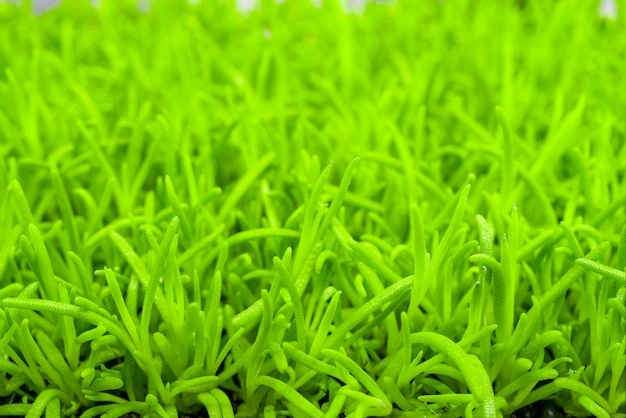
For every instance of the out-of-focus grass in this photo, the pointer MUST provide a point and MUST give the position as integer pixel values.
(175, 240)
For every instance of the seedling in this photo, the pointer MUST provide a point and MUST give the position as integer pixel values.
(309, 210)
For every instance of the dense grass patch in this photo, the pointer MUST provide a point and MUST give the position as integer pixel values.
(413, 210)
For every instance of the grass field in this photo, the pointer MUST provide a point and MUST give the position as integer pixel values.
(412, 210)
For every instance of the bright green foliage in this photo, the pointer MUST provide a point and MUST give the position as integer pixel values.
(175, 240)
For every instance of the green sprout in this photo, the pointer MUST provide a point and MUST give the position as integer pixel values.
(307, 210)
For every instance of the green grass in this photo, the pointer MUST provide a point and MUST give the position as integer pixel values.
(175, 240)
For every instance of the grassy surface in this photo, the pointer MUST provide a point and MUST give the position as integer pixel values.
(174, 239)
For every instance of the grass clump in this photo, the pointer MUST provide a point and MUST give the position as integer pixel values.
(177, 242)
